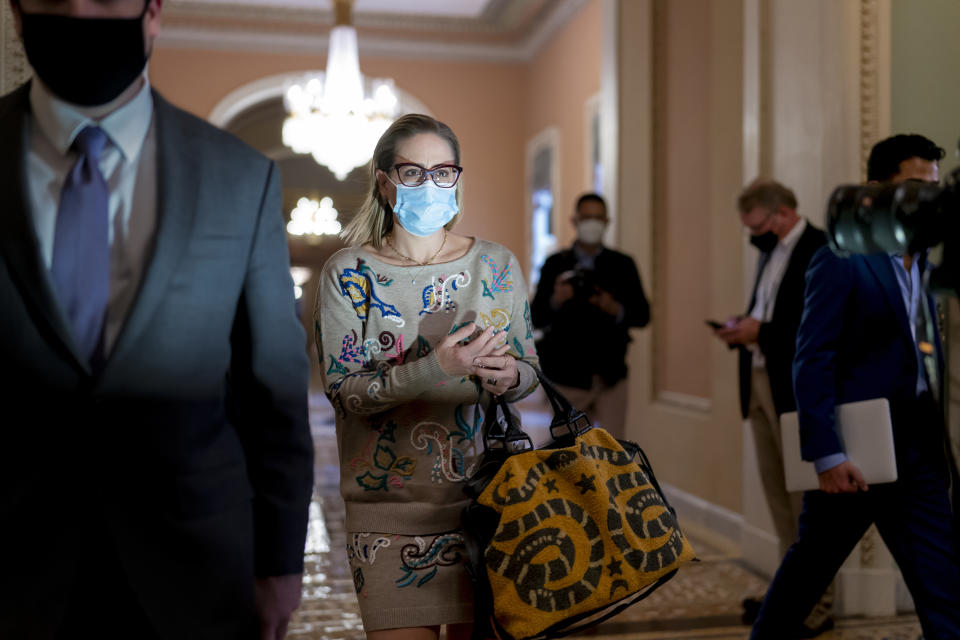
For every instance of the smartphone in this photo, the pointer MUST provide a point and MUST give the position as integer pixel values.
(713, 324)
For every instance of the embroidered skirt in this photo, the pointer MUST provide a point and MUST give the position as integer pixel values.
(410, 581)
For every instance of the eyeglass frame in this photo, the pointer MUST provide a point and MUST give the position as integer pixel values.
(429, 173)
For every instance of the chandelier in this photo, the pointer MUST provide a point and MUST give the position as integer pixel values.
(312, 219)
(338, 116)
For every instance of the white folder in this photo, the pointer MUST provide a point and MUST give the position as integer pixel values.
(866, 434)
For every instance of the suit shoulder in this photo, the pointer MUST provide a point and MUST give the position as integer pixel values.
(619, 256)
(827, 264)
(216, 140)
(563, 254)
(815, 235)
(824, 255)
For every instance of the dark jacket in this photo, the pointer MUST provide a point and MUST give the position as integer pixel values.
(855, 343)
(778, 338)
(579, 339)
(189, 452)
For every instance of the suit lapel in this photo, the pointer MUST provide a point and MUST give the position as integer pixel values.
(761, 263)
(18, 238)
(796, 268)
(178, 179)
(879, 264)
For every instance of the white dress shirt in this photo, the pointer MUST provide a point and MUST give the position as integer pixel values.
(770, 280)
(129, 166)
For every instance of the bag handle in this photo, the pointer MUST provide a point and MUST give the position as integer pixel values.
(504, 433)
(565, 416)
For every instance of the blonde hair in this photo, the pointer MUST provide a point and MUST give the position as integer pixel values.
(374, 220)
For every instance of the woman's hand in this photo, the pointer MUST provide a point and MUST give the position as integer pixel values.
(458, 359)
(497, 371)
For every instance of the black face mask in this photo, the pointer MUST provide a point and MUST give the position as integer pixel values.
(85, 61)
(766, 242)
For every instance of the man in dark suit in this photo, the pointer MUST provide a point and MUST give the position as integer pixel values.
(766, 338)
(156, 465)
(587, 299)
(857, 340)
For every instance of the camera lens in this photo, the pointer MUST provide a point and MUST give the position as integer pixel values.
(877, 218)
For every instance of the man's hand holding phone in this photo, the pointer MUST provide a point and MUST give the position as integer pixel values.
(742, 330)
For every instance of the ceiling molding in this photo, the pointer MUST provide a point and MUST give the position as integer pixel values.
(521, 49)
(499, 16)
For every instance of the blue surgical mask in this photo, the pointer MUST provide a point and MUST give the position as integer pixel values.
(426, 209)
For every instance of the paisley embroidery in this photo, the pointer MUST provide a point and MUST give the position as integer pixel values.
(449, 462)
(372, 347)
(378, 381)
(527, 321)
(359, 550)
(421, 561)
(436, 295)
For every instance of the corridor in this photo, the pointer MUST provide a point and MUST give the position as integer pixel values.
(702, 602)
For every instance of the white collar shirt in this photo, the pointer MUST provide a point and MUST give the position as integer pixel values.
(770, 279)
(129, 167)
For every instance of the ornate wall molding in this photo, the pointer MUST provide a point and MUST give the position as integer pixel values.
(14, 69)
(874, 75)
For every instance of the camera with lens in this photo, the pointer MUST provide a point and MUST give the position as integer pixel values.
(583, 282)
(906, 217)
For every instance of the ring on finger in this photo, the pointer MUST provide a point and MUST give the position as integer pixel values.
(492, 382)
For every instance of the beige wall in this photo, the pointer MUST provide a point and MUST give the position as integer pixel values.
(480, 101)
(559, 81)
(924, 56)
(679, 168)
(681, 196)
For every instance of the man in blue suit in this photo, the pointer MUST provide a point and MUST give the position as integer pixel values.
(156, 462)
(857, 341)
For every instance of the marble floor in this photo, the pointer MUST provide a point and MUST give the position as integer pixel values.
(701, 602)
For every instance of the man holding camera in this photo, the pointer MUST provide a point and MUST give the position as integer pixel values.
(857, 341)
(588, 298)
(766, 338)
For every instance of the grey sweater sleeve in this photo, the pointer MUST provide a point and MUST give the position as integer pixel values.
(353, 384)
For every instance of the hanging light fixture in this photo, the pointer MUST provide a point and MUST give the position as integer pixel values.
(313, 219)
(338, 116)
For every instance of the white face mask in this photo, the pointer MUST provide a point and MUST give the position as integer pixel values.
(590, 231)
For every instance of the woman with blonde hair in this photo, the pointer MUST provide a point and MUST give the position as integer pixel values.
(416, 326)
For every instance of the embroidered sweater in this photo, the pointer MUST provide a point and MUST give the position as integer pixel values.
(407, 433)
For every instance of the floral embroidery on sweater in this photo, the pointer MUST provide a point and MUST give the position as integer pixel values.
(500, 280)
(357, 284)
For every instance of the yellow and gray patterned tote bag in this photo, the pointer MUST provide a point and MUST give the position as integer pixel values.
(566, 536)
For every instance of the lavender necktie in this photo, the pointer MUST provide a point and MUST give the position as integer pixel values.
(81, 248)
